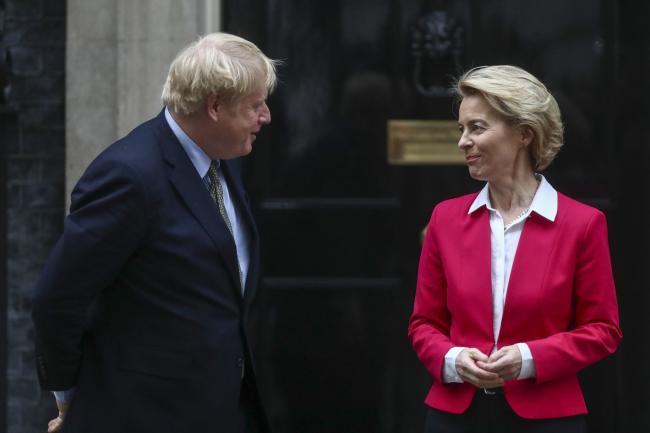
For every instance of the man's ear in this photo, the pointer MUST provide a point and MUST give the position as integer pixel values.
(212, 107)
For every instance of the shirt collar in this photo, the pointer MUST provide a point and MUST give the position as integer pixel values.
(544, 202)
(200, 160)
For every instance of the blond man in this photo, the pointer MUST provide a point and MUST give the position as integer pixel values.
(142, 311)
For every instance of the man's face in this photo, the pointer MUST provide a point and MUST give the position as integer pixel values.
(239, 122)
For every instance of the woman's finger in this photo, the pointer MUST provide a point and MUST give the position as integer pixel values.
(507, 367)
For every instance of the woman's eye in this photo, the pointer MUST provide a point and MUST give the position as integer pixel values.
(474, 127)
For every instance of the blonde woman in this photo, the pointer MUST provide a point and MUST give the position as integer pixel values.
(515, 292)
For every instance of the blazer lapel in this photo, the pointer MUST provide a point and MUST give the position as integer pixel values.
(529, 268)
(237, 192)
(476, 261)
(194, 194)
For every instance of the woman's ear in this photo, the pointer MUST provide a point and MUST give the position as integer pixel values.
(527, 135)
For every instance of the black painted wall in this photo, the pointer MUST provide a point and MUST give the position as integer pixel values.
(7, 120)
(631, 254)
(34, 36)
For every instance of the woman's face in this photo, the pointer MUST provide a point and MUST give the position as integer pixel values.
(493, 149)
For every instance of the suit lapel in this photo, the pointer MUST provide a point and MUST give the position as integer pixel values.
(194, 194)
(476, 262)
(529, 268)
(237, 193)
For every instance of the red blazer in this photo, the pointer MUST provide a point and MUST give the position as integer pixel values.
(561, 301)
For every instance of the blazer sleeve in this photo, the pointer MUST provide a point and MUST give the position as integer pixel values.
(429, 324)
(106, 223)
(596, 331)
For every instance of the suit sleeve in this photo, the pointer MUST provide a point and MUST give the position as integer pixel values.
(596, 331)
(429, 323)
(107, 222)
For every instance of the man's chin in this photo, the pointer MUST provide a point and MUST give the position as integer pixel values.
(239, 152)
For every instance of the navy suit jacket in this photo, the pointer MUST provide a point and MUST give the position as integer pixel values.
(139, 306)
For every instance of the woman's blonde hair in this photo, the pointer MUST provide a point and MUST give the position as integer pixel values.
(218, 64)
(523, 101)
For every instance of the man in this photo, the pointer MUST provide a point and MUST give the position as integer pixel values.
(142, 313)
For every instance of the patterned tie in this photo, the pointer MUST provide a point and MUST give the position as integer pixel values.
(216, 191)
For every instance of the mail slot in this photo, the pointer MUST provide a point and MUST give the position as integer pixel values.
(424, 142)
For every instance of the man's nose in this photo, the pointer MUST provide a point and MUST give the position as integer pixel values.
(265, 115)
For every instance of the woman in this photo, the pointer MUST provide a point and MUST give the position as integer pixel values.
(515, 292)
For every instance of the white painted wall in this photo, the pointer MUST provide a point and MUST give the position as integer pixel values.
(118, 54)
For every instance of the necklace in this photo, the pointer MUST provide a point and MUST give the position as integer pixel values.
(525, 211)
(516, 220)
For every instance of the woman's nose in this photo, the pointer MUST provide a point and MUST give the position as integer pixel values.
(463, 141)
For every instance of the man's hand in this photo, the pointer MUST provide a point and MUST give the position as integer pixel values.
(505, 362)
(469, 369)
(55, 424)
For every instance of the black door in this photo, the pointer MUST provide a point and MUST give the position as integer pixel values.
(341, 226)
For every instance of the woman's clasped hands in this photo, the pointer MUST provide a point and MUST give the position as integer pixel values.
(483, 371)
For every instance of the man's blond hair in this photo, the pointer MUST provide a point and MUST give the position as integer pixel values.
(218, 64)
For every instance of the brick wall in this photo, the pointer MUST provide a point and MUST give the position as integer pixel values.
(34, 34)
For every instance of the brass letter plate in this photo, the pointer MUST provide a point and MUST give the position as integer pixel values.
(424, 142)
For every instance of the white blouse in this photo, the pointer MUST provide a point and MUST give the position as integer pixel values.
(503, 246)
